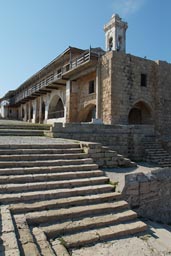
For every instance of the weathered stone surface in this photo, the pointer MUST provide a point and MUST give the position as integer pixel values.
(151, 194)
(50, 201)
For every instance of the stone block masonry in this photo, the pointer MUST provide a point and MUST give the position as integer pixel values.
(104, 157)
(127, 140)
(150, 194)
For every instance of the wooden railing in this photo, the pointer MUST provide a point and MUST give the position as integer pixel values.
(83, 58)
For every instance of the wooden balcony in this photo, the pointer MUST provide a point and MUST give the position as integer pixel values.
(56, 79)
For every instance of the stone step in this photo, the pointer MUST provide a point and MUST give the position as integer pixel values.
(153, 145)
(154, 153)
(164, 161)
(8, 164)
(103, 234)
(10, 188)
(157, 157)
(8, 179)
(55, 193)
(45, 247)
(165, 165)
(155, 150)
(50, 169)
(17, 132)
(93, 222)
(40, 146)
(37, 157)
(25, 127)
(39, 151)
(166, 156)
(74, 212)
(64, 202)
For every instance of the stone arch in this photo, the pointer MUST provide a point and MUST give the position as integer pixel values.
(140, 113)
(86, 114)
(56, 108)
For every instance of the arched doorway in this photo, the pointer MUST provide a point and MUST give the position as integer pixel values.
(87, 114)
(140, 114)
(56, 108)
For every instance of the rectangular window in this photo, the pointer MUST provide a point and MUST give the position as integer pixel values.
(143, 80)
(91, 87)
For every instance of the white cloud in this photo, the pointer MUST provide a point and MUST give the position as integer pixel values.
(127, 7)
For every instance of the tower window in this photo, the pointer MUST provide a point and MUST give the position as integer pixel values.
(143, 80)
(110, 43)
(91, 87)
(119, 43)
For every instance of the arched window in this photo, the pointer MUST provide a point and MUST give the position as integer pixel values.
(119, 43)
(110, 43)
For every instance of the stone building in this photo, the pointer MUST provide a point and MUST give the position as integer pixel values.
(81, 85)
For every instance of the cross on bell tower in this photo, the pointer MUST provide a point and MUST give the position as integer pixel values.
(115, 34)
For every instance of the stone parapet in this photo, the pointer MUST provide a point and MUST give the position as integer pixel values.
(150, 194)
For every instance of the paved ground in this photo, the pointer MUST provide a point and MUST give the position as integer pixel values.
(32, 140)
(155, 242)
(118, 174)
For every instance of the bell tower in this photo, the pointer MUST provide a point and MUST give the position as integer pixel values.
(115, 34)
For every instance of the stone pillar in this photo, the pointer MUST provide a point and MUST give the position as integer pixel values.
(29, 111)
(37, 110)
(34, 111)
(47, 102)
(25, 112)
(40, 109)
(68, 99)
(98, 91)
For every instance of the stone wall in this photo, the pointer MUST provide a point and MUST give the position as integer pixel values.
(164, 103)
(150, 194)
(122, 91)
(104, 157)
(106, 99)
(80, 98)
(125, 139)
(125, 85)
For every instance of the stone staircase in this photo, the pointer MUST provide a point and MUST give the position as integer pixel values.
(11, 128)
(54, 198)
(155, 153)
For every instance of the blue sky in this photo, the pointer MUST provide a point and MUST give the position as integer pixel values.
(33, 32)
